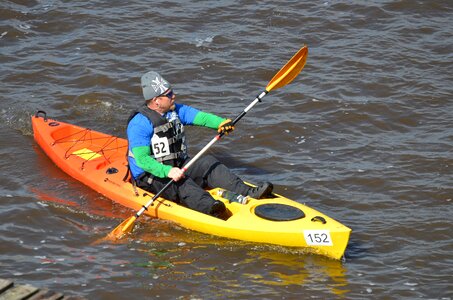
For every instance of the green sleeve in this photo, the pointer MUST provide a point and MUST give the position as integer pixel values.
(145, 161)
(207, 120)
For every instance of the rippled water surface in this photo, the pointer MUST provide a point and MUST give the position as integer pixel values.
(364, 134)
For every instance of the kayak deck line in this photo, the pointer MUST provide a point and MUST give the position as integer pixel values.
(99, 161)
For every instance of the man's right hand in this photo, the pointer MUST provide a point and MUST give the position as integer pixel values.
(176, 174)
(226, 127)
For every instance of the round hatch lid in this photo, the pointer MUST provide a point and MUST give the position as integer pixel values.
(278, 212)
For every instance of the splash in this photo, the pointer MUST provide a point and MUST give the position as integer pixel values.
(205, 41)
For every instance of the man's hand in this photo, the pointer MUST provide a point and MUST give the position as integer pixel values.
(176, 174)
(225, 127)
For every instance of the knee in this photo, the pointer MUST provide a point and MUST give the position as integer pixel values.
(209, 164)
(209, 160)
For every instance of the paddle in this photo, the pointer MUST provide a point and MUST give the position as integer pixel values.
(282, 78)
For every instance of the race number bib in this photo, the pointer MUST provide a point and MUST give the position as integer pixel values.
(318, 237)
(160, 146)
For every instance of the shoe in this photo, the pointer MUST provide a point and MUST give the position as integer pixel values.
(261, 191)
(218, 210)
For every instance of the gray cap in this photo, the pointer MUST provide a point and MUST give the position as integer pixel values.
(154, 85)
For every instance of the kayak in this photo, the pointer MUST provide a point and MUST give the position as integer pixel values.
(99, 161)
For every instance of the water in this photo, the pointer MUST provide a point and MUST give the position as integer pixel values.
(363, 134)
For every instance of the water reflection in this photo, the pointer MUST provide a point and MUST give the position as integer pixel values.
(291, 267)
(237, 267)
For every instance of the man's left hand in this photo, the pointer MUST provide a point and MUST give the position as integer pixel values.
(225, 127)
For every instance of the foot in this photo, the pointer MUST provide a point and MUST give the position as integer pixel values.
(263, 190)
(218, 210)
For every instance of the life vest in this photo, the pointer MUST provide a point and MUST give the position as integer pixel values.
(168, 143)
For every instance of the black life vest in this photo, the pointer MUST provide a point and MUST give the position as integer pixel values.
(168, 143)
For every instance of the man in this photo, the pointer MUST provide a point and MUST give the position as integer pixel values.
(158, 151)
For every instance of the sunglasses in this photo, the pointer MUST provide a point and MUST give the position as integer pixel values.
(169, 94)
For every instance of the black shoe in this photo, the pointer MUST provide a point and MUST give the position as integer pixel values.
(218, 210)
(261, 191)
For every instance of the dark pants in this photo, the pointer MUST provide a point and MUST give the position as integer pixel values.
(206, 172)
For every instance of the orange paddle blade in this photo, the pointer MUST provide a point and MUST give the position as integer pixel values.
(289, 71)
(125, 227)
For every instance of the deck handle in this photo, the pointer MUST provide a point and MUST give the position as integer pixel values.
(41, 112)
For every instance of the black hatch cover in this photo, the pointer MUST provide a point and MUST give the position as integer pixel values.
(278, 212)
